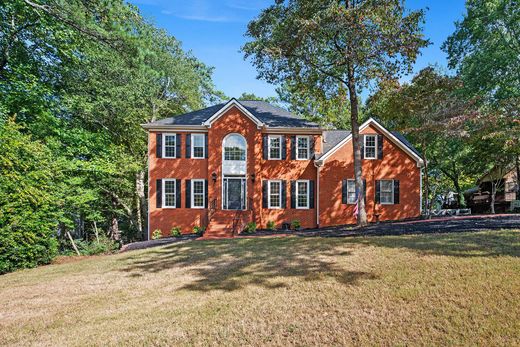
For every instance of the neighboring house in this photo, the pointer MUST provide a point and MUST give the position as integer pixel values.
(503, 180)
(226, 165)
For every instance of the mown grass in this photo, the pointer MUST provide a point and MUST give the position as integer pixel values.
(441, 289)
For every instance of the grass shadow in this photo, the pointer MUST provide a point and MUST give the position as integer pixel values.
(468, 244)
(232, 264)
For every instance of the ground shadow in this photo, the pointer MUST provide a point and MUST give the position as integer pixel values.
(232, 264)
(469, 244)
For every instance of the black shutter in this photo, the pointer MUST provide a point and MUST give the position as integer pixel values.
(206, 147)
(284, 194)
(264, 194)
(158, 193)
(344, 195)
(158, 146)
(284, 147)
(178, 142)
(293, 147)
(380, 146)
(365, 190)
(378, 192)
(362, 146)
(188, 194)
(206, 193)
(177, 193)
(312, 143)
(396, 191)
(311, 194)
(188, 146)
(265, 146)
(293, 194)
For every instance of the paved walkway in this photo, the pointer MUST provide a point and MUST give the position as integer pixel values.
(424, 226)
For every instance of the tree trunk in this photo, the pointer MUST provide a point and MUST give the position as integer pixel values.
(140, 201)
(358, 171)
(96, 232)
(517, 164)
(114, 229)
(493, 194)
(426, 184)
(459, 192)
(73, 243)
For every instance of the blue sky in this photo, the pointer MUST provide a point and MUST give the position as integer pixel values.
(214, 31)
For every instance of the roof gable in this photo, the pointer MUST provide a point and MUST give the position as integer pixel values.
(262, 113)
(396, 138)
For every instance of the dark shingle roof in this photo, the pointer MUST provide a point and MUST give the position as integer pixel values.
(331, 138)
(272, 116)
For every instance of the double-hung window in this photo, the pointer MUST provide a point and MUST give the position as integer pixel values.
(302, 194)
(386, 192)
(197, 193)
(169, 145)
(351, 191)
(275, 147)
(198, 145)
(274, 194)
(169, 193)
(370, 146)
(302, 147)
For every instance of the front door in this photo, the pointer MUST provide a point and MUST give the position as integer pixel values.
(234, 193)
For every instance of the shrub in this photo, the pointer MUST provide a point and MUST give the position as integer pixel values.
(271, 225)
(198, 230)
(175, 232)
(251, 227)
(157, 234)
(295, 224)
(30, 198)
(103, 246)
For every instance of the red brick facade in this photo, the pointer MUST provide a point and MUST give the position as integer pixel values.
(396, 164)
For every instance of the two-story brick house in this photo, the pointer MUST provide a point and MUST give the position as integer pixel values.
(229, 164)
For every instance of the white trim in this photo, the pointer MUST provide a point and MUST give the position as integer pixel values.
(231, 103)
(163, 192)
(163, 149)
(297, 194)
(387, 133)
(365, 146)
(293, 131)
(192, 193)
(380, 191)
(279, 137)
(243, 179)
(177, 127)
(421, 192)
(192, 146)
(269, 194)
(308, 147)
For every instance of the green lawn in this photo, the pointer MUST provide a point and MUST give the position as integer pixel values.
(444, 289)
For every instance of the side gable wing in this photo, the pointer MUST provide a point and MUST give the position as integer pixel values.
(394, 139)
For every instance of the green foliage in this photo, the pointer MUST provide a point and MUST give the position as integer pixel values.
(81, 77)
(250, 227)
(102, 245)
(485, 48)
(157, 234)
(29, 200)
(295, 224)
(175, 232)
(271, 225)
(198, 230)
